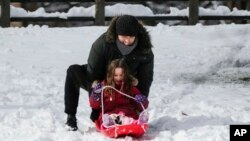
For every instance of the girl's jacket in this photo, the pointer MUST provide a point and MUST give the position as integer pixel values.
(116, 103)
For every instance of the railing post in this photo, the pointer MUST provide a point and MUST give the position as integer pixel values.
(99, 12)
(193, 12)
(5, 13)
(248, 5)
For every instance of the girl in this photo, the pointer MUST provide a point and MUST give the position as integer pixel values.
(118, 109)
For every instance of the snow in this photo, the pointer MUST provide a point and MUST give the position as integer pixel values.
(197, 92)
(119, 9)
(110, 10)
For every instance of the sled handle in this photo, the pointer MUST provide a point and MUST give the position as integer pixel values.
(104, 87)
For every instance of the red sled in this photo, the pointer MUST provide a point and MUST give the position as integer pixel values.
(134, 130)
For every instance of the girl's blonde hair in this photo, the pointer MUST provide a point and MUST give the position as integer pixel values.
(119, 63)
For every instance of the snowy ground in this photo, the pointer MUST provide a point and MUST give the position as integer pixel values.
(199, 86)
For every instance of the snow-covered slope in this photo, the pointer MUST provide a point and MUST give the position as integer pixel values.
(198, 88)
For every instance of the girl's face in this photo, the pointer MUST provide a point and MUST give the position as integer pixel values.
(118, 76)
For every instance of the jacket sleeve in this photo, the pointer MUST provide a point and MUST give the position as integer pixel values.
(145, 74)
(96, 62)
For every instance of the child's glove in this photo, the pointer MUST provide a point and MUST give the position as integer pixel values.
(96, 96)
(96, 92)
(140, 98)
(97, 88)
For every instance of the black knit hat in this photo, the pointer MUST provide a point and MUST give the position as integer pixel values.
(127, 25)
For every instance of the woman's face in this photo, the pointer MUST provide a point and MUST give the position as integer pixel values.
(118, 76)
(126, 40)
